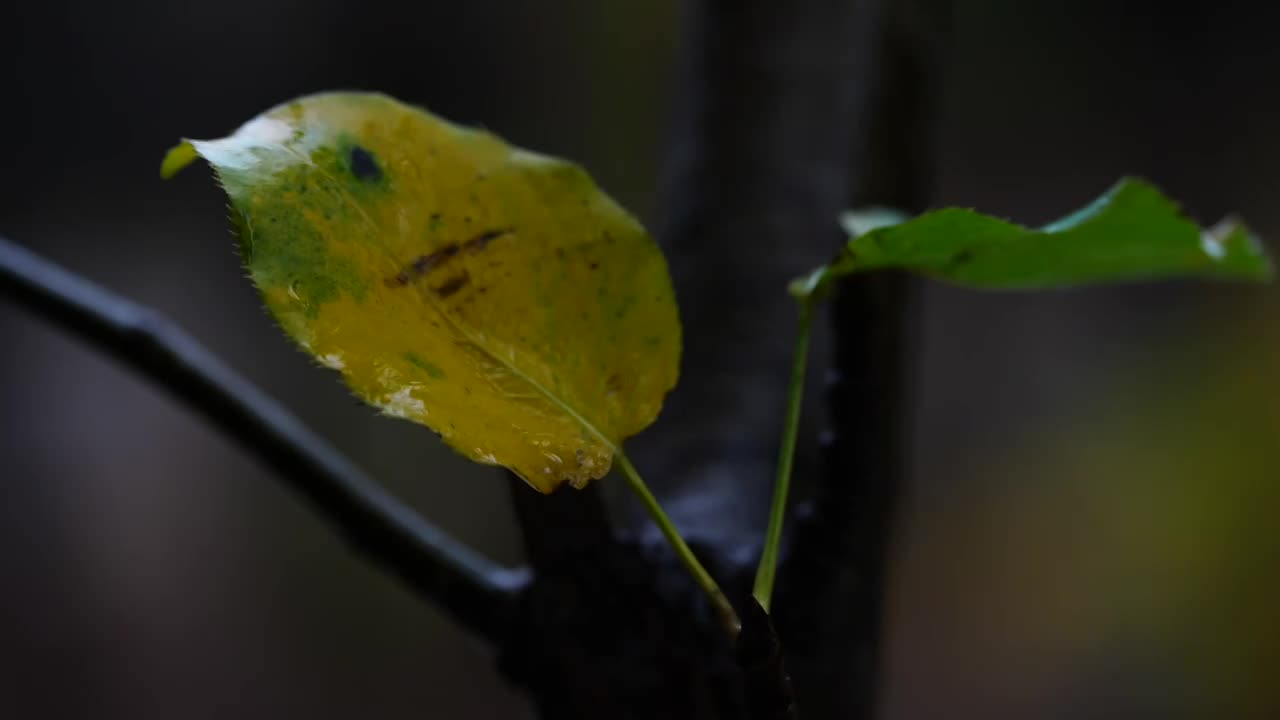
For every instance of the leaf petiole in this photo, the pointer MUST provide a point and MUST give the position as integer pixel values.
(728, 616)
(767, 571)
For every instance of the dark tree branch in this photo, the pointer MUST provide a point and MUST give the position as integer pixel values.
(835, 577)
(480, 595)
(757, 176)
(769, 693)
(561, 529)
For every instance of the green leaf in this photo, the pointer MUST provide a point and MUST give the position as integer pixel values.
(1131, 233)
(493, 294)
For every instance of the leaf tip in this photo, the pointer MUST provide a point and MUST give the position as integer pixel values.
(1231, 241)
(864, 220)
(178, 157)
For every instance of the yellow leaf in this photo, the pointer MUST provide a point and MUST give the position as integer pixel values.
(493, 294)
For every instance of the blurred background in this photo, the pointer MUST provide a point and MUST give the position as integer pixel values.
(1090, 530)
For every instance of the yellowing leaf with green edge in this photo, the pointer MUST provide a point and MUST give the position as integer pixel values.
(493, 294)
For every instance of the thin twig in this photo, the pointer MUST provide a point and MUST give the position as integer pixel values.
(478, 593)
(768, 568)
(729, 619)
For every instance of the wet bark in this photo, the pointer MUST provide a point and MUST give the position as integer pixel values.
(787, 113)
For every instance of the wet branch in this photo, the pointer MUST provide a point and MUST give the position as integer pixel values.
(838, 568)
(479, 594)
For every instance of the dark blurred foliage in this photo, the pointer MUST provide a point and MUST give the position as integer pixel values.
(1090, 531)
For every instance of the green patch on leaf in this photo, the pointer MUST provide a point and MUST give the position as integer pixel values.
(433, 371)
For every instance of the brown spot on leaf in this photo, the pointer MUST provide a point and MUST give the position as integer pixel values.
(429, 262)
(481, 241)
(452, 285)
(614, 383)
(421, 266)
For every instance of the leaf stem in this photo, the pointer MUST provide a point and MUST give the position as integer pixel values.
(728, 616)
(767, 571)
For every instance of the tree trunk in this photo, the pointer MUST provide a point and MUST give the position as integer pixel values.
(788, 112)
